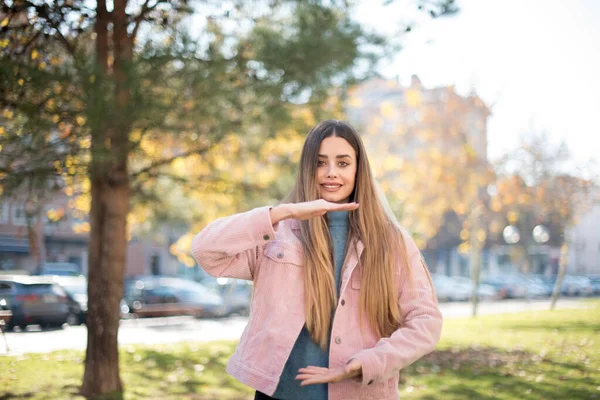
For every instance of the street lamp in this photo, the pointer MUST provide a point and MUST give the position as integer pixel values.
(541, 234)
(511, 234)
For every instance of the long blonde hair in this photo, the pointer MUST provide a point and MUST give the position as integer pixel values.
(372, 223)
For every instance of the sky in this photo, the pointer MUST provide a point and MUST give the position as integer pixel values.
(536, 63)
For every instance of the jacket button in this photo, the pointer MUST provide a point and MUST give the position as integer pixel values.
(266, 237)
(343, 302)
(280, 255)
(338, 340)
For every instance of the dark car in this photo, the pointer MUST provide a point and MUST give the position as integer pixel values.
(34, 301)
(236, 293)
(166, 296)
(60, 269)
(76, 289)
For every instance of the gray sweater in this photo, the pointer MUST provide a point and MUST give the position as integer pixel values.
(306, 352)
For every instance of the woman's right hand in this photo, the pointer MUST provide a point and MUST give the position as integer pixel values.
(307, 210)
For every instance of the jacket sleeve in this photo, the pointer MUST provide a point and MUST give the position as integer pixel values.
(419, 333)
(231, 246)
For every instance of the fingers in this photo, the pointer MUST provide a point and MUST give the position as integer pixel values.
(312, 375)
(342, 206)
(312, 381)
(311, 369)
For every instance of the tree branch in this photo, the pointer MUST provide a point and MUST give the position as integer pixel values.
(142, 15)
(169, 160)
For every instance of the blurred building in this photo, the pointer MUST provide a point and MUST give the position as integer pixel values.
(584, 249)
(60, 235)
(406, 119)
(402, 121)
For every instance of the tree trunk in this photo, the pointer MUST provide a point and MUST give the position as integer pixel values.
(562, 268)
(110, 190)
(35, 236)
(476, 246)
(107, 251)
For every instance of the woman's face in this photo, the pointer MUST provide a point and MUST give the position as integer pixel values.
(336, 169)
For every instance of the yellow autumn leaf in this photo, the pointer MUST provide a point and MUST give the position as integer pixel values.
(355, 101)
(8, 114)
(179, 166)
(2, 131)
(464, 248)
(85, 143)
(481, 235)
(21, 82)
(388, 110)
(80, 120)
(135, 135)
(83, 203)
(4, 22)
(55, 118)
(412, 97)
(42, 66)
(52, 215)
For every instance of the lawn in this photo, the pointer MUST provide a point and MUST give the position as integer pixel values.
(532, 355)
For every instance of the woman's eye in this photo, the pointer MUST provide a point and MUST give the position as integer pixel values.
(320, 163)
(343, 164)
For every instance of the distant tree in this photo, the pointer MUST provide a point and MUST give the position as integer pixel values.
(539, 184)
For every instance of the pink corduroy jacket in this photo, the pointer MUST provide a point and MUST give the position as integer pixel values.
(248, 246)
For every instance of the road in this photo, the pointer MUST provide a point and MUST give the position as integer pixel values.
(181, 329)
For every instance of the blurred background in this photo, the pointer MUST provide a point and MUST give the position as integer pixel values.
(480, 118)
(486, 104)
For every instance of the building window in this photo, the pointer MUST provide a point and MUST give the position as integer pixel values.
(4, 213)
(18, 216)
(155, 265)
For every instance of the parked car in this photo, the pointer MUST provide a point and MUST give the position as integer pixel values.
(576, 286)
(34, 300)
(595, 282)
(167, 296)
(508, 286)
(447, 289)
(236, 293)
(547, 282)
(76, 289)
(484, 291)
(60, 269)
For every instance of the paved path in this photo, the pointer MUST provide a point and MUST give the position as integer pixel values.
(179, 329)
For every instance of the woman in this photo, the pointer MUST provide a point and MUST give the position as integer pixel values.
(342, 298)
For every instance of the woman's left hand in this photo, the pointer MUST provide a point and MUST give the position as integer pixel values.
(313, 375)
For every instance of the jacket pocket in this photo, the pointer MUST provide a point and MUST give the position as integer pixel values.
(284, 254)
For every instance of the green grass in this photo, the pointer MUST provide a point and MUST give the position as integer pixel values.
(180, 371)
(532, 355)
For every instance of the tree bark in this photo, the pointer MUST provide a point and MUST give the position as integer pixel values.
(562, 268)
(107, 251)
(110, 190)
(476, 246)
